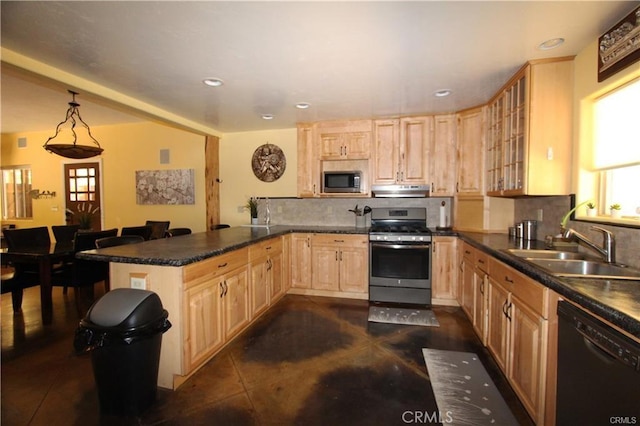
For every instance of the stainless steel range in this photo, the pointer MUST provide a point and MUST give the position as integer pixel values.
(400, 256)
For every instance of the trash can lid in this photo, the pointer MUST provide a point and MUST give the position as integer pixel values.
(126, 308)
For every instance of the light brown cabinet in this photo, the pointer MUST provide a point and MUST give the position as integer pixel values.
(266, 274)
(473, 298)
(467, 276)
(308, 163)
(401, 150)
(444, 272)
(339, 263)
(530, 131)
(345, 140)
(300, 261)
(471, 147)
(216, 305)
(518, 312)
(442, 156)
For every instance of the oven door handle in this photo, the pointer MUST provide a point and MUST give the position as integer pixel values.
(423, 246)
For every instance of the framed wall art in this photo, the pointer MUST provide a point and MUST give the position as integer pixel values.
(620, 46)
(165, 186)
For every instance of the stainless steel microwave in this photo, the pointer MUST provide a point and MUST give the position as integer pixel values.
(341, 181)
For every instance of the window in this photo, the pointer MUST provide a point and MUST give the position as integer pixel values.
(16, 189)
(612, 174)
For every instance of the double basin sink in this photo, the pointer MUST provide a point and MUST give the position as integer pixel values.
(577, 265)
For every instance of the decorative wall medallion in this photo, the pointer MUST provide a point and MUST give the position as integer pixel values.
(268, 163)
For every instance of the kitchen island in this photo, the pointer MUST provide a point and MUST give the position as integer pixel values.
(213, 284)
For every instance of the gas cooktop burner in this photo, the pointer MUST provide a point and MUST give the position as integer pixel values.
(399, 224)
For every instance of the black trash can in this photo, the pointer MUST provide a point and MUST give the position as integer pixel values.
(123, 331)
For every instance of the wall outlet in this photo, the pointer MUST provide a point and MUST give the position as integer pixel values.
(138, 281)
(539, 214)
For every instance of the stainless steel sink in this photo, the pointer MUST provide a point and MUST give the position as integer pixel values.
(586, 269)
(546, 254)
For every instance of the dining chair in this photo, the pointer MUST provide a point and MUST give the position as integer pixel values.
(118, 241)
(85, 273)
(144, 231)
(20, 238)
(24, 275)
(64, 233)
(174, 232)
(159, 228)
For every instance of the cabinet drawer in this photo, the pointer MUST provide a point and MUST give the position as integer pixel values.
(534, 295)
(467, 251)
(265, 248)
(482, 261)
(214, 266)
(340, 240)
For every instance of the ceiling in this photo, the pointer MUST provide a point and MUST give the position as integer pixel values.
(346, 59)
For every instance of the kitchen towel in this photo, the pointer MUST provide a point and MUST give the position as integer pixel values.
(404, 316)
(464, 391)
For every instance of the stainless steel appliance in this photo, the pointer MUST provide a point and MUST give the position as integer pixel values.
(598, 371)
(341, 181)
(400, 191)
(400, 256)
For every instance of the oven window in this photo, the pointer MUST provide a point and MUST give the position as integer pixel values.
(402, 262)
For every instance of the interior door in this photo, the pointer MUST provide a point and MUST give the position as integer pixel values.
(83, 202)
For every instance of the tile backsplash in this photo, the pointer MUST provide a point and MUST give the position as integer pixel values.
(554, 208)
(335, 211)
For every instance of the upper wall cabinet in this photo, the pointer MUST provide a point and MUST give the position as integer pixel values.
(345, 140)
(529, 134)
(471, 145)
(401, 150)
(442, 156)
(308, 164)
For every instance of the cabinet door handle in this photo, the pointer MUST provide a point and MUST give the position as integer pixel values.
(268, 248)
(509, 311)
(338, 241)
(482, 287)
(336, 255)
(221, 290)
(222, 265)
(481, 261)
(504, 308)
(340, 255)
(507, 279)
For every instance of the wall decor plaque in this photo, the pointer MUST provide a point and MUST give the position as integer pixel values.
(620, 46)
(165, 186)
(268, 162)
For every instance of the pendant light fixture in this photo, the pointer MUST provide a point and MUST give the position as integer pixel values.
(73, 149)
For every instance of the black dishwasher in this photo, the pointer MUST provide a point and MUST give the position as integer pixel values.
(598, 372)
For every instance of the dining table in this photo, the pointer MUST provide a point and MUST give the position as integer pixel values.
(45, 257)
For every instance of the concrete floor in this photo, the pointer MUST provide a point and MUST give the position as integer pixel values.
(307, 361)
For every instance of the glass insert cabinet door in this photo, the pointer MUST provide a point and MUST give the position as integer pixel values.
(514, 136)
(507, 140)
(83, 196)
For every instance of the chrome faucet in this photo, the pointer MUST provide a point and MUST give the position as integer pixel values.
(608, 249)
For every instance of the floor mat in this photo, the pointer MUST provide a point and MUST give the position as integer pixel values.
(405, 316)
(464, 391)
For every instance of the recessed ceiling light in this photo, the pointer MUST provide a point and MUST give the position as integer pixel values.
(552, 43)
(442, 93)
(303, 105)
(267, 116)
(213, 82)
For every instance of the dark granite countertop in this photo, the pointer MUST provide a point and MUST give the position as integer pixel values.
(617, 301)
(186, 249)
